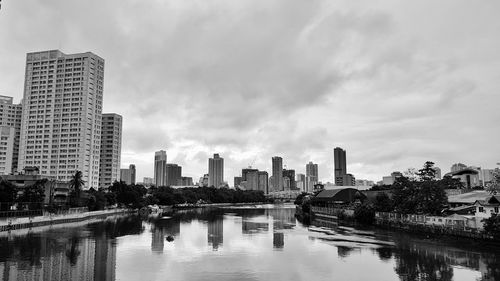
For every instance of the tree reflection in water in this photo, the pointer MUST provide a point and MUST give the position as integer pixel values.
(412, 265)
(73, 252)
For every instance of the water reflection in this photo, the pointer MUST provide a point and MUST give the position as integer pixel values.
(65, 254)
(235, 244)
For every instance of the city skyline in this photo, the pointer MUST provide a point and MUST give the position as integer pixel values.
(439, 104)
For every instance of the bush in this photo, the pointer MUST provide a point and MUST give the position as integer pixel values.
(364, 214)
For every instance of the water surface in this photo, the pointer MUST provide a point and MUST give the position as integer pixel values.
(250, 243)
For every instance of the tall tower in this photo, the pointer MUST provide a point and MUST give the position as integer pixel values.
(277, 173)
(10, 123)
(160, 168)
(174, 174)
(215, 171)
(340, 165)
(111, 149)
(61, 120)
(311, 176)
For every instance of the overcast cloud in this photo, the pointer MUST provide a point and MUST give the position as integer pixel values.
(394, 83)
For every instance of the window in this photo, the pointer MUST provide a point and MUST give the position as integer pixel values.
(496, 210)
(481, 209)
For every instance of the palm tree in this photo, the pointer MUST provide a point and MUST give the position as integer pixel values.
(76, 183)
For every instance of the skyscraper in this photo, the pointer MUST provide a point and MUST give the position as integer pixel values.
(111, 149)
(215, 171)
(174, 174)
(128, 175)
(277, 173)
(263, 182)
(10, 121)
(340, 165)
(290, 175)
(61, 121)
(160, 174)
(311, 176)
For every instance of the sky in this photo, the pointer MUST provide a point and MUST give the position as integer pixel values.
(394, 83)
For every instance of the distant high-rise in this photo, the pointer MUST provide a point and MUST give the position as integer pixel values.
(301, 182)
(147, 181)
(263, 182)
(340, 165)
(128, 175)
(160, 174)
(252, 180)
(311, 176)
(10, 121)
(290, 175)
(237, 181)
(277, 174)
(215, 171)
(111, 149)
(61, 122)
(174, 174)
(437, 171)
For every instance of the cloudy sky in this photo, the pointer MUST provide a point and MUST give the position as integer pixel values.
(395, 83)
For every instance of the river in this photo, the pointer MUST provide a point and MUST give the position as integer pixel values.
(236, 243)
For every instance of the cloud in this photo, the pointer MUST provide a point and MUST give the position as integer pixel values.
(254, 79)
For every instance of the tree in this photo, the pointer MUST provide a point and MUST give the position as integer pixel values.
(76, 183)
(383, 203)
(420, 195)
(427, 173)
(450, 183)
(364, 214)
(494, 186)
(492, 226)
(33, 195)
(8, 194)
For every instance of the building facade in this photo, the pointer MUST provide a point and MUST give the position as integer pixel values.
(174, 174)
(263, 182)
(160, 173)
(216, 171)
(311, 176)
(290, 175)
(10, 117)
(340, 163)
(111, 149)
(277, 182)
(128, 175)
(61, 116)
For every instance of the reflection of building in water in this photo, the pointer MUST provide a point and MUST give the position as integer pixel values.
(249, 227)
(283, 218)
(215, 233)
(278, 240)
(105, 259)
(157, 239)
(53, 260)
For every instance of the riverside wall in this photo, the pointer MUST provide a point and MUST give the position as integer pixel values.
(50, 219)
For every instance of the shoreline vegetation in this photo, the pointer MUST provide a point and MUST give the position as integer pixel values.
(395, 207)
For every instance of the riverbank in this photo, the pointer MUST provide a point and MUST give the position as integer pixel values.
(30, 222)
(407, 223)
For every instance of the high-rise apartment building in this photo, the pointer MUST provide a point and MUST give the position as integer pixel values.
(340, 164)
(128, 175)
(111, 149)
(174, 174)
(263, 182)
(290, 175)
(311, 176)
(301, 182)
(61, 119)
(251, 180)
(160, 168)
(10, 117)
(277, 174)
(215, 171)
